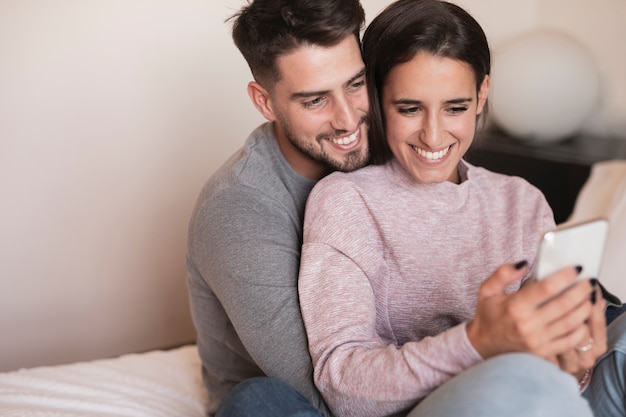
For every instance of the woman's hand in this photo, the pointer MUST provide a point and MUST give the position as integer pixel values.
(546, 318)
(593, 345)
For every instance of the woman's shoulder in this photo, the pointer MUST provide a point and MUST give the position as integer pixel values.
(370, 174)
(484, 175)
(509, 187)
(347, 186)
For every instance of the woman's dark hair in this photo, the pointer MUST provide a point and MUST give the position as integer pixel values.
(405, 28)
(264, 30)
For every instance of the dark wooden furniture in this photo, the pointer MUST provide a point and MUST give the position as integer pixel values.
(559, 169)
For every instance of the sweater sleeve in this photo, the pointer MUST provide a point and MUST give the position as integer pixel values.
(249, 257)
(357, 366)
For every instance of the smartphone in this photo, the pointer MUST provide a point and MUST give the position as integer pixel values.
(573, 244)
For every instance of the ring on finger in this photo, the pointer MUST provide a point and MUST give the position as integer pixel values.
(587, 347)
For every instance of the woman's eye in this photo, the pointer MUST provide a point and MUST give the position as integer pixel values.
(408, 110)
(457, 109)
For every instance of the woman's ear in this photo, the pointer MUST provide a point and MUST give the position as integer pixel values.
(483, 93)
(261, 100)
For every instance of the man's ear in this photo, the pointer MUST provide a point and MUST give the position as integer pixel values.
(483, 93)
(261, 100)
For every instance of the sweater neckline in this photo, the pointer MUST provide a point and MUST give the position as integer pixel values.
(446, 193)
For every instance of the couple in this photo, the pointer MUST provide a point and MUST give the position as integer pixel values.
(414, 273)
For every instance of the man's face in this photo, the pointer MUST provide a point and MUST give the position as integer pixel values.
(320, 108)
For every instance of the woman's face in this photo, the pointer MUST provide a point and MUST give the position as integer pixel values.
(430, 105)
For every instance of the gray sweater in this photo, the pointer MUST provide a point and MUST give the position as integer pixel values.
(390, 275)
(243, 257)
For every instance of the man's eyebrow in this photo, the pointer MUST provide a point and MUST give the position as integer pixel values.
(308, 94)
(356, 77)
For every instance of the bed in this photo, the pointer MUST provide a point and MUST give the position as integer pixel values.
(156, 383)
(168, 382)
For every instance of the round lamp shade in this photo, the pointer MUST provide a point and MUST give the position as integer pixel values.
(544, 85)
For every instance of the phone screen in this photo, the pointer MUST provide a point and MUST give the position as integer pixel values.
(578, 244)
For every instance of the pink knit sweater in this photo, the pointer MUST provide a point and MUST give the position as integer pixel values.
(390, 272)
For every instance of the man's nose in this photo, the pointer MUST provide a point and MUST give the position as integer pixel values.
(345, 114)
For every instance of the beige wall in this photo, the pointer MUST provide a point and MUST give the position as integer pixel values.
(600, 26)
(112, 115)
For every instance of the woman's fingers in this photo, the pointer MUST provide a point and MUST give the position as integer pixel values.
(546, 290)
(597, 324)
(570, 309)
(546, 317)
(592, 345)
(505, 275)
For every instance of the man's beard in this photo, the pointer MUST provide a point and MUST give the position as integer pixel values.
(351, 161)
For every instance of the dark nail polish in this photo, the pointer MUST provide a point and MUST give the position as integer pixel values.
(578, 269)
(592, 297)
(521, 264)
(593, 282)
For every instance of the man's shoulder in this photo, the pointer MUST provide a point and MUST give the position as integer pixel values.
(257, 155)
(253, 168)
(254, 181)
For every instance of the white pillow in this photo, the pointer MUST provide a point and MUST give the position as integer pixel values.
(604, 195)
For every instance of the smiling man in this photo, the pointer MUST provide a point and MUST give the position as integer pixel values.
(245, 233)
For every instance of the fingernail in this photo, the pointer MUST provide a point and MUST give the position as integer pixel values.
(592, 297)
(578, 269)
(521, 264)
(594, 283)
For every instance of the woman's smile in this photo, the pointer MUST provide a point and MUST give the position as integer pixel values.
(431, 156)
(430, 106)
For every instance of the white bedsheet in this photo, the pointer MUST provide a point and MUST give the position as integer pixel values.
(156, 383)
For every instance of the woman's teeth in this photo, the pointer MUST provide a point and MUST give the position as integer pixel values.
(431, 156)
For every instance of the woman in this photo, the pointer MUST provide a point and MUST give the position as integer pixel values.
(397, 284)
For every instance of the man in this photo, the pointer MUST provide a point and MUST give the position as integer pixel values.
(246, 230)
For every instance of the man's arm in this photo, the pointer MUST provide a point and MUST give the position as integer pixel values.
(247, 249)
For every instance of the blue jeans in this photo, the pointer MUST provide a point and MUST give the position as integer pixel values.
(265, 397)
(512, 385)
(508, 385)
(606, 392)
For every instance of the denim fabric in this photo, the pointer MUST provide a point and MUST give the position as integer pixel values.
(613, 311)
(265, 397)
(606, 391)
(512, 385)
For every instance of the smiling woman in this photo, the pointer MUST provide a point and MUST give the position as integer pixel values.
(431, 107)
(416, 278)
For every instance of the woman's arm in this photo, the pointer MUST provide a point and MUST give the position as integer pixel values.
(358, 366)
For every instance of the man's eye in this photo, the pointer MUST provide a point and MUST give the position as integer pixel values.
(358, 84)
(313, 103)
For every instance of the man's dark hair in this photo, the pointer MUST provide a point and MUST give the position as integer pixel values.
(264, 30)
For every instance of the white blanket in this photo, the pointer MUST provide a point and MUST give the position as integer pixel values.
(156, 383)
